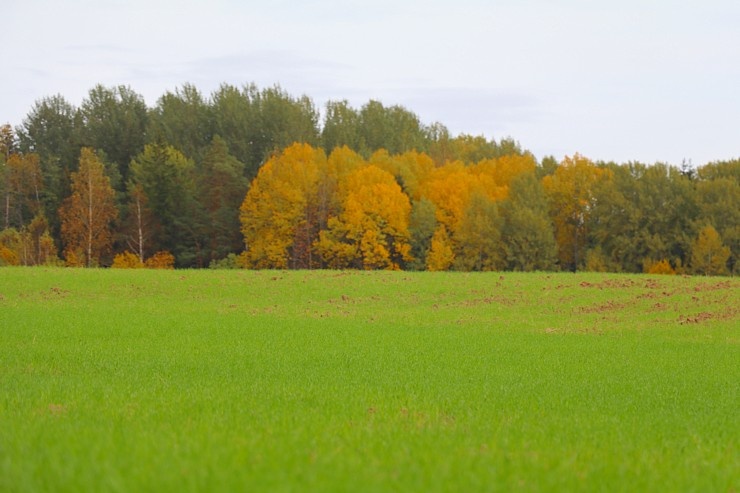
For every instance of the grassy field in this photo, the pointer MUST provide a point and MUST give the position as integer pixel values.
(353, 381)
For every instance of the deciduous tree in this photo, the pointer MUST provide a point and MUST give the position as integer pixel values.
(114, 121)
(527, 232)
(478, 237)
(183, 120)
(570, 192)
(51, 130)
(87, 215)
(371, 232)
(279, 215)
(441, 256)
(708, 254)
(24, 187)
(341, 126)
(422, 225)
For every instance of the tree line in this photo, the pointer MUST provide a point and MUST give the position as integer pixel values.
(260, 179)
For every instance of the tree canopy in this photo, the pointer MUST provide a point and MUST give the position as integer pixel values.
(260, 178)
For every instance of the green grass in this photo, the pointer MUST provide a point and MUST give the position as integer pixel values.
(353, 381)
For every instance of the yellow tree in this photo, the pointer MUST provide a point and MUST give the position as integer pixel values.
(411, 169)
(279, 215)
(87, 214)
(570, 194)
(371, 232)
(708, 255)
(449, 188)
(503, 170)
(341, 162)
(440, 256)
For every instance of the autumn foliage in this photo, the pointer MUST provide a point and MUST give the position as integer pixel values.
(259, 179)
(87, 215)
(127, 260)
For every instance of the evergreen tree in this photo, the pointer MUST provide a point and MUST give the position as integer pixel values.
(166, 177)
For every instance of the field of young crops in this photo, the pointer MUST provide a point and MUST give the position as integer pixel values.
(115, 380)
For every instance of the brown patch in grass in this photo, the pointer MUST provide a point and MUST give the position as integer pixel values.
(713, 287)
(695, 319)
(602, 307)
(488, 300)
(55, 292)
(609, 284)
(729, 313)
(57, 409)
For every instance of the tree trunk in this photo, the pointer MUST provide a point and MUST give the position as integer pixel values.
(89, 220)
(7, 210)
(140, 229)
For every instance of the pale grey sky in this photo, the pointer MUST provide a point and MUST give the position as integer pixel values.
(646, 80)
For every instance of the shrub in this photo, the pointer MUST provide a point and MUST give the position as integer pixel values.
(127, 260)
(660, 267)
(161, 260)
(8, 256)
(232, 261)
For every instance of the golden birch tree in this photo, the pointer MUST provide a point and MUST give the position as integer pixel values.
(87, 214)
(371, 232)
(279, 213)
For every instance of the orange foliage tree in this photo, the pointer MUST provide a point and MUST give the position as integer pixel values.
(88, 213)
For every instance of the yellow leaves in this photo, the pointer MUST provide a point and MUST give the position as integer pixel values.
(278, 202)
(375, 254)
(8, 256)
(570, 193)
(708, 255)
(371, 231)
(160, 260)
(336, 253)
(355, 213)
(410, 169)
(305, 210)
(662, 267)
(441, 255)
(449, 188)
(127, 260)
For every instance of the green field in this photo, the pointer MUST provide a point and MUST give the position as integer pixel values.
(114, 380)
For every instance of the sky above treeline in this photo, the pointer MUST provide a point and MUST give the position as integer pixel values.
(634, 80)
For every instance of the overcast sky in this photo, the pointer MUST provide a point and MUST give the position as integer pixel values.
(645, 80)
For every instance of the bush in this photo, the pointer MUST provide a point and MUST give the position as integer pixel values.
(8, 257)
(160, 260)
(661, 267)
(127, 260)
(232, 261)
